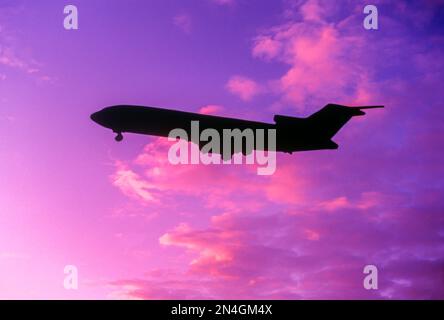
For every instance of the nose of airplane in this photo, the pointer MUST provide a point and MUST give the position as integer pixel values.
(96, 117)
(103, 118)
(93, 116)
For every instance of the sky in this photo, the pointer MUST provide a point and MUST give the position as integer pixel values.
(137, 227)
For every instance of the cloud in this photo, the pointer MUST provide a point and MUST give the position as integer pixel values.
(9, 58)
(211, 109)
(210, 245)
(11, 53)
(224, 2)
(324, 64)
(243, 87)
(183, 21)
(266, 47)
(131, 184)
(308, 230)
(284, 236)
(286, 185)
(312, 11)
(276, 256)
(329, 57)
(152, 177)
(368, 200)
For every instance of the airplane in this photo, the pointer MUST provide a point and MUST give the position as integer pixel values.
(292, 134)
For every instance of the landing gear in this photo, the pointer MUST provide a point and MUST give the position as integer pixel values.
(119, 137)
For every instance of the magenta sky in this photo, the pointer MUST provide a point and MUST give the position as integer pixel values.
(137, 227)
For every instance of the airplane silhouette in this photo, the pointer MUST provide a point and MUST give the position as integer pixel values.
(292, 134)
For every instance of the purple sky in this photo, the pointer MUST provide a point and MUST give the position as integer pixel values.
(137, 227)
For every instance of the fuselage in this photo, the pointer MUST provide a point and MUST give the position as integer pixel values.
(160, 122)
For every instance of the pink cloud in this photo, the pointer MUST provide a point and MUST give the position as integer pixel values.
(324, 59)
(312, 235)
(266, 47)
(286, 185)
(211, 109)
(190, 232)
(211, 246)
(312, 11)
(14, 57)
(297, 243)
(183, 21)
(243, 87)
(131, 184)
(10, 58)
(152, 177)
(308, 230)
(272, 256)
(368, 200)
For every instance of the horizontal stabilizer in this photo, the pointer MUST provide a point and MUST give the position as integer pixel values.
(366, 107)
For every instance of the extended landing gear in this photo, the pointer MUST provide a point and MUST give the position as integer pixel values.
(119, 137)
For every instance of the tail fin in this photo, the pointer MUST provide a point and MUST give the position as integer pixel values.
(333, 117)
